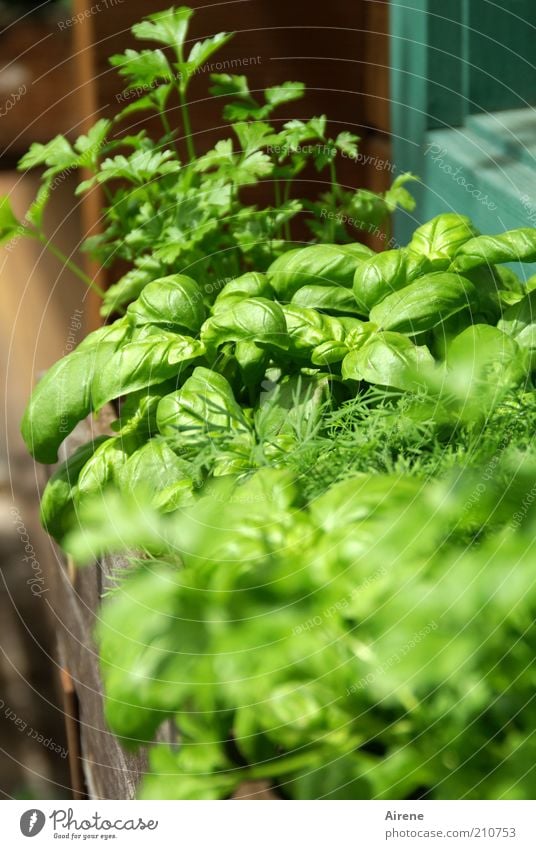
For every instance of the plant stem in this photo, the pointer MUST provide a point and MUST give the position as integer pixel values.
(167, 131)
(277, 194)
(286, 198)
(333, 178)
(72, 266)
(334, 192)
(187, 126)
(182, 88)
(387, 228)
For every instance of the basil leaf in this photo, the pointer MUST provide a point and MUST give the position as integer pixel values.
(519, 316)
(510, 282)
(335, 299)
(204, 406)
(513, 246)
(104, 466)
(253, 362)
(441, 238)
(57, 510)
(307, 329)
(323, 265)
(138, 410)
(173, 302)
(383, 274)
(154, 469)
(425, 303)
(519, 321)
(486, 355)
(328, 353)
(388, 359)
(140, 364)
(61, 399)
(117, 333)
(250, 285)
(252, 320)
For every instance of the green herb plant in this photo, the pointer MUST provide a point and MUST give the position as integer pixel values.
(374, 643)
(253, 375)
(170, 207)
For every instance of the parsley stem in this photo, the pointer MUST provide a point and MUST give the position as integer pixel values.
(72, 266)
(277, 198)
(168, 131)
(286, 198)
(187, 126)
(334, 192)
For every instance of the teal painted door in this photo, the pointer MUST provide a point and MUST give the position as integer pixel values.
(463, 92)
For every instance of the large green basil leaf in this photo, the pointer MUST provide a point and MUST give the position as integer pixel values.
(388, 359)
(140, 364)
(441, 238)
(155, 471)
(385, 273)
(57, 509)
(252, 360)
(513, 246)
(138, 410)
(250, 285)
(104, 466)
(519, 321)
(510, 282)
(519, 316)
(322, 265)
(335, 299)
(62, 398)
(485, 356)
(117, 333)
(253, 320)
(425, 303)
(173, 302)
(488, 306)
(307, 329)
(204, 406)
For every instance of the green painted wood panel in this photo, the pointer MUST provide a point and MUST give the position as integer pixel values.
(460, 72)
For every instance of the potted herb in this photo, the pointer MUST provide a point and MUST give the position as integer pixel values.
(305, 411)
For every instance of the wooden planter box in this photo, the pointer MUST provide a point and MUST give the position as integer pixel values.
(100, 767)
